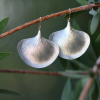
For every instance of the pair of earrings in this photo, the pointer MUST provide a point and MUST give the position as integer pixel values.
(39, 52)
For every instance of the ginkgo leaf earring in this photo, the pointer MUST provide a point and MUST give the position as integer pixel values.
(38, 52)
(72, 43)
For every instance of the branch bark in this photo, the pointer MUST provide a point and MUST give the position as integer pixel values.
(73, 10)
(30, 72)
(39, 72)
(36, 72)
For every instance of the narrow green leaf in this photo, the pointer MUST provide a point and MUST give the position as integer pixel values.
(9, 92)
(75, 71)
(95, 1)
(95, 22)
(94, 91)
(92, 12)
(63, 62)
(82, 2)
(91, 58)
(69, 67)
(74, 66)
(72, 94)
(98, 1)
(78, 88)
(84, 80)
(79, 64)
(75, 25)
(3, 24)
(95, 46)
(73, 75)
(66, 91)
(90, 0)
(98, 39)
(74, 14)
(4, 54)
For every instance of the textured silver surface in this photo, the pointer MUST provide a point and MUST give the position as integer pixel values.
(38, 52)
(72, 43)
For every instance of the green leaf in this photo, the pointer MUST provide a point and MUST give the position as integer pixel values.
(72, 94)
(92, 12)
(9, 92)
(74, 14)
(90, 0)
(4, 54)
(95, 22)
(3, 24)
(98, 1)
(84, 80)
(75, 25)
(95, 46)
(94, 91)
(95, 1)
(77, 91)
(72, 75)
(63, 62)
(69, 67)
(79, 64)
(66, 91)
(75, 71)
(82, 2)
(98, 39)
(78, 88)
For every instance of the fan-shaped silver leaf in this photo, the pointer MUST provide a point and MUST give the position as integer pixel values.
(72, 43)
(38, 52)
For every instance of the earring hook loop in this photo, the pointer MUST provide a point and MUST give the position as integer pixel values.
(70, 13)
(39, 28)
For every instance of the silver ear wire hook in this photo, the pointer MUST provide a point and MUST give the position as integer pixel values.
(40, 24)
(70, 13)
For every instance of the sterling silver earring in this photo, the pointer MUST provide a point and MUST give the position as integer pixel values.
(72, 43)
(38, 52)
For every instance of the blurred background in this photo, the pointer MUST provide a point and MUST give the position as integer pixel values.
(34, 87)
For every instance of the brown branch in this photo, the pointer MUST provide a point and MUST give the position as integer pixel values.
(89, 81)
(73, 10)
(37, 72)
(30, 72)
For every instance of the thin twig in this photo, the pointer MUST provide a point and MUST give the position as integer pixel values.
(89, 81)
(40, 72)
(30, 72)
(37, 72)
(73, 10)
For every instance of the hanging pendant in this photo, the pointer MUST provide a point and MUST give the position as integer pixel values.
(38, 52)
(72, 43)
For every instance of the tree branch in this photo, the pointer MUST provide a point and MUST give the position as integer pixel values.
(73, 10)
(89, 81)
(36, 72)
(30, 72)
(39, 72)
